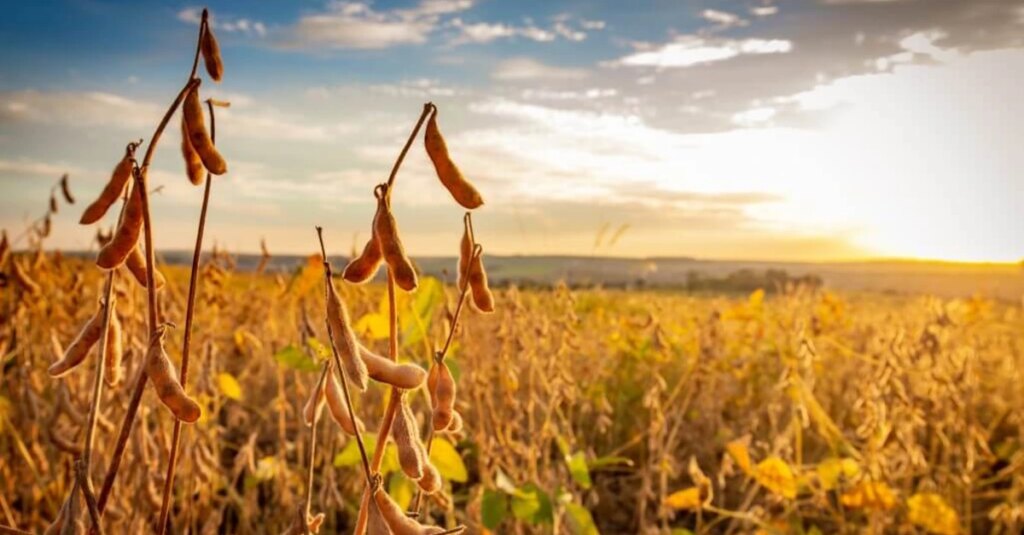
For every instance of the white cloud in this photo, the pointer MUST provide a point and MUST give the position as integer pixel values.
(687, 51)
(764, 11)
(355, 25)
(529, 69)
(29, 167)
(194, 15)
(754, 116)
(919, 44)
(722, 18)
(586, 94)
(486, 32)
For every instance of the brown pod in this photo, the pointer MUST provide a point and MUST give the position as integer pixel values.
(118, 179)
(195, 123)
(483, 299)
(405, 376)
(46, 227)
(345, 339)
(65, 189)
(136, 264)
(75, 353)
(115, 252)
(431, 480)
(363, 267)
(443, 397)
(113, 372)
(165, 380)
(211, 54)
(193, 163)
(406, 433)
(461, 189)
(314, 405)
(465, 255)
(396, 519)
(22, 278)
(338, 407)
(456, 424)
(375, 524)
(5, 247)
(386, 230)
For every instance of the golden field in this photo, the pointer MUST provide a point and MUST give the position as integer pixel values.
(585, 411)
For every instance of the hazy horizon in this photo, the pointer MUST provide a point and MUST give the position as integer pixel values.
(832, 130)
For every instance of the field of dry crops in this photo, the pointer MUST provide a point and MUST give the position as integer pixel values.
(583, 411)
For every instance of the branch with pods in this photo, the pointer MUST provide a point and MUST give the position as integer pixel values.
(123, 249)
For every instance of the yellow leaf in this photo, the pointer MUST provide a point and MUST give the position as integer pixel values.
(688, 498)
(775, 475)
(447, 461)
(869, 495)
(931, 512)
(228, 385)
(374, 326)
(830, 470)
(739, 452)
(756, 298)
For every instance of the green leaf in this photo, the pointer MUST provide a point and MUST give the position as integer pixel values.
(349, 455)
(428, 297)
(579, 520)
(447, 461)
(296, 359)
(401, 489)
(604, 462)
(321, 351)
(578, 469)
(680, 531)
(531, 504)
(494, 508)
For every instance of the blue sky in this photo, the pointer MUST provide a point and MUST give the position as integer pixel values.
(807, 130)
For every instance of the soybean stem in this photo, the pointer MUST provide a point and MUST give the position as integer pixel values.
(408, 143)
(193, 283)
(141, 378)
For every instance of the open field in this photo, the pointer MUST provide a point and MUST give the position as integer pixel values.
(641, 411)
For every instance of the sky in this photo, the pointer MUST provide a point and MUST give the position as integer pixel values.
(806, 130)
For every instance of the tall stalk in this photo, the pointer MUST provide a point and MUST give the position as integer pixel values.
(193, 283)
(141, 182)
(396, 394)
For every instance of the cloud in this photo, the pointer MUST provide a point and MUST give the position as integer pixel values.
(723, 19)
(517, 69)
(486, 32)
(356, 25)
(764, 11)
(687, 51)
(194, 15)
(30, 167)
(754, 116)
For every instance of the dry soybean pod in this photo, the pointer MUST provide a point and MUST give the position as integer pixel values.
(65, 189)
(345, 339)
(406, 433)
(395, 518)
(336, 405)
(211, 54)
(115, 351)
(195, 123)
(461, 189)
(22, 278)
(443, 397)
(465, 252)
(363, 267)
(317, 397)
(136, 264)
(5, 247)
(431, 481)
(483, 299)
(80, 347)
(122, 173)
(405, 376)
(386, 229)
(375, 524)
(114, 253)
(193, 163)
(165, 380)
(456, 424)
